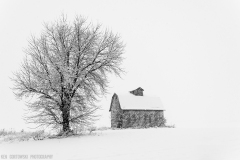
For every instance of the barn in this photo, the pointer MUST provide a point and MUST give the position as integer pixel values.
(136, 110)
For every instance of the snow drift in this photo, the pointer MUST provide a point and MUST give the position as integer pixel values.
(136, 144)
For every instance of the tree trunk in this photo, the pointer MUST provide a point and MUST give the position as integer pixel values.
(65, 117)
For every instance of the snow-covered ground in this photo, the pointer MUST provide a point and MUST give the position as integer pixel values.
(136, 144)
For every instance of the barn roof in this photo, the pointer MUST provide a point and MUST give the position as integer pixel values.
(131, 102)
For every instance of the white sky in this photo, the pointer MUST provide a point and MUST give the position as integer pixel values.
(185, 52)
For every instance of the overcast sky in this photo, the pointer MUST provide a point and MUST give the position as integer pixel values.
(185, 52)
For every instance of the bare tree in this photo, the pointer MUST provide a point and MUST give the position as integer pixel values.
(66, 70)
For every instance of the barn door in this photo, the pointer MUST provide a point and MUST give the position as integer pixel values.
(119, 121)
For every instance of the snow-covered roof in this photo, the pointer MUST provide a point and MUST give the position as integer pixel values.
(132, 102)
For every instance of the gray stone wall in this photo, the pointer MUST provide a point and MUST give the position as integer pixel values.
(142, 118)
(116, 113)
(134, 118)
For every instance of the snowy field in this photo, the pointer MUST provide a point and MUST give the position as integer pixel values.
(136, 144)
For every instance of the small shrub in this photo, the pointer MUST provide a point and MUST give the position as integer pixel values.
(24, 138)
(8, 138)
(170, 126)
(66, 133)
(38, 135)
(91, 129)
(103, 128)
(3, 132)
(22, 135)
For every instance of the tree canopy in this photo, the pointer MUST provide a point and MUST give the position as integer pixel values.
(67, 69)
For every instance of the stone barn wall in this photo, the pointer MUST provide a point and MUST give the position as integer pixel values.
(143, 118)
(116, 113)
(134, 118)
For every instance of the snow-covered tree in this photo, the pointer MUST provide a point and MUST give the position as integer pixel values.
(66, 70)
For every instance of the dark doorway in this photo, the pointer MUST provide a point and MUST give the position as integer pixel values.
(119, 122)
